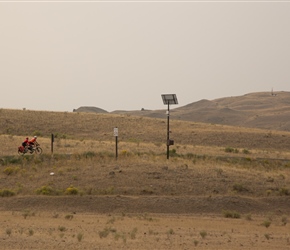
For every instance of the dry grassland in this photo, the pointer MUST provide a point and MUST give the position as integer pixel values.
(52, 230)
(222, 188)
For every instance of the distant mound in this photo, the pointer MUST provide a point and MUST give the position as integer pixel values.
(256, 110)
(202, 104)
(259, 110)
(90, 110)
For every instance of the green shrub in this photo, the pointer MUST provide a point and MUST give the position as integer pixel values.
(60, 136)
(11, 170)
(203, 234)
(71, 190)
(13, 160)
(69, 217)
(190, 156)
(239, 188)
(229, 149)
(284, 220)
(8, 231)
(30, 232)
(246, 151)
(62, 228)
(104, 233)
(37, 133)
(231, 214)
(80, 236)
(89, 154)
(45, 190)
(124, 153)
(284, 191)
(266, 223)
(27, 213)
(6, 193)
(106, 191)
(173, 152)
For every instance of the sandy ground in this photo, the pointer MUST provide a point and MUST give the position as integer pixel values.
(55, 225)
(138, 231)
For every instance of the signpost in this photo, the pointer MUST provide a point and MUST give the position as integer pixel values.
(116, 136)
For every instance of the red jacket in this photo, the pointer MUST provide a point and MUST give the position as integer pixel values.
(32, 141)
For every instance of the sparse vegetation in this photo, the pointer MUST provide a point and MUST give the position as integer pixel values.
(133, 233)
(71, 190)
(8, 231)
(69, 217)
(106, 231)
(231, 150)
(239, 188)
(284, 220)
(151, 232)
(203, 234)
(266, 223)
(173, 153)
(11, 170)
(231, 214)
(145, 217)
(80, 236)
(111, 220)
(246, 151)
(27, 213)
(284, 191)
(30, 232)
(85, 169)
(6, 193)
(62, 228)
(46, 190)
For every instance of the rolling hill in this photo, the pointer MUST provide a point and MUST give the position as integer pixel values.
(263, 110)
(215, 172)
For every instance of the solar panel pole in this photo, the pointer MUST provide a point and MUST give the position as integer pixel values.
(167, 100)
(168, 131)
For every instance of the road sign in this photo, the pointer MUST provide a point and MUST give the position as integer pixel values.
(116, 132)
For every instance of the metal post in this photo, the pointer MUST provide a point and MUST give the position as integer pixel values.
(116, 136)
(52, 140)
(116, 147)
(168, 131)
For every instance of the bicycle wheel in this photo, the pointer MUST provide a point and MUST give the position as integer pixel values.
(38, 150)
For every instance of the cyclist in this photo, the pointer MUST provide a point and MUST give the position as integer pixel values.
(32, 142)
(25, 143)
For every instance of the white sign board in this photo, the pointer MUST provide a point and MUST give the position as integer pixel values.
(115, 131)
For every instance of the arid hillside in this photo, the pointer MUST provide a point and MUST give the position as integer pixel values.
(95, 126)
(256, 110)
(223, 187)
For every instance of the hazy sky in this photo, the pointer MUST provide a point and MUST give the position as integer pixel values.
(122, 55)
